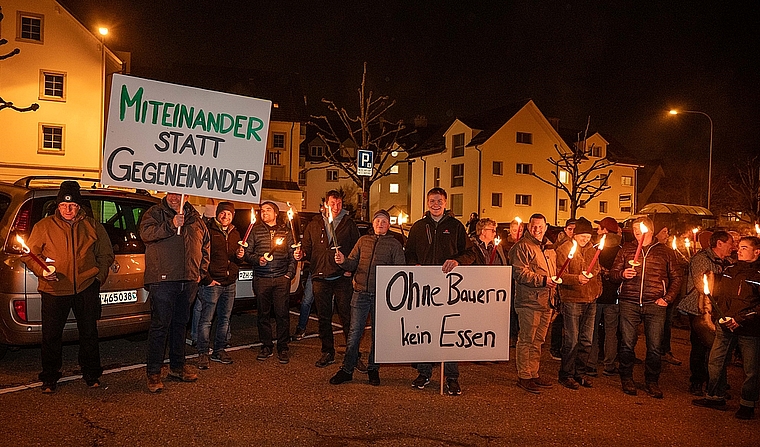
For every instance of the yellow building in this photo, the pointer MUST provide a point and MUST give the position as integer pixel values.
(485, 163)
(62, 66)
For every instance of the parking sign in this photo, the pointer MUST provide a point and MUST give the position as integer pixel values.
(364, 162)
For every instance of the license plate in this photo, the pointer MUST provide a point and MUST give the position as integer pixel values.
(124, 296)
(245, 275)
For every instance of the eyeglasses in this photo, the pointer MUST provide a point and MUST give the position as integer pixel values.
(68, 205)
(490, 229)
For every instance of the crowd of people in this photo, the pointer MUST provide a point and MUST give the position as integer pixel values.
(593, 304)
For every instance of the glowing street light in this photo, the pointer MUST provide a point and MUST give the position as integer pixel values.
(103, 31)
(709, 169)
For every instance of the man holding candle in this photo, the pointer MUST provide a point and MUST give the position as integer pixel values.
(174, 265)
(533, 266)
(737, 295)
(334, 230)
(580, 288)
(484, 249)
(650, 279)
(80, 250)
(270, 252)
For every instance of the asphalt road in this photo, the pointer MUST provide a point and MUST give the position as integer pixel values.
(265, 403)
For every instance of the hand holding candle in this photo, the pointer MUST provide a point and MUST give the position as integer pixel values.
(244, 242)
(268, 256)
(49, 269)
(296, 244)
(496, 243)
(558, 278)
(590, 267)
(635, 261)
(723, 320)
(519, 227)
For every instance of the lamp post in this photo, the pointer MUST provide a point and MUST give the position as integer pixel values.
(709, 169)
(103, 31)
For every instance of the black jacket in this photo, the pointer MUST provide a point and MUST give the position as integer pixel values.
(737, 293)
(262, 240)
(432, 243)
(658, 276)
(223, 264)
(316, 247)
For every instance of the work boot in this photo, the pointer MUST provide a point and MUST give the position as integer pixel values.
(569, 382)
(542, 382)
(186, 374)
(154, 383)
(528, 385)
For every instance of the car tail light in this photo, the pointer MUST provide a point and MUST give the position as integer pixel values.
(20, 307)
(22, 225)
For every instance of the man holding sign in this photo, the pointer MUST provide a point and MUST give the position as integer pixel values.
(175, 262)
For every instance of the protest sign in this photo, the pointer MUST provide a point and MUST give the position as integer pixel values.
(187, 140)
(425, 315)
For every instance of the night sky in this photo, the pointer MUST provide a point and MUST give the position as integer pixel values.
(621, 63)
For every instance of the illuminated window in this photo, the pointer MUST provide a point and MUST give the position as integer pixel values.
(394, 169)
(394, 188)
(564, 176)
(626, 180)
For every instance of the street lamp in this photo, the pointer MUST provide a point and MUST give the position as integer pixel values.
(709, 169)
(103, 31)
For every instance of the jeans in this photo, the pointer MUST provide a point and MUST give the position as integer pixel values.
(699, 355)
(666, 335)
(55, 311)
(533, 327)
(170, 303)
(219, 299)
(324, 291)
(578, 321)
(720, 357)
(273, 296)
(653, 316)
(555, 343)
(362, 304)
(606, 319)
(306, 301)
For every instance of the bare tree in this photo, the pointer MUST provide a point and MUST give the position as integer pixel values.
(586, 179)
(8, 104)
(745, 186)
(369, 130)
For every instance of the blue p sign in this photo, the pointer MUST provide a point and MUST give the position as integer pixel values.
(364, 162)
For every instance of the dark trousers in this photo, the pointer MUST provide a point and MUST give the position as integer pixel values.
(273, 296)
(55, 312)
(653, 317)
(699, 354)
(324, 291)
(170, 303)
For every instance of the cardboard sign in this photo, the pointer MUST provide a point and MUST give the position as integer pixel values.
(424, 315)
(187, 140)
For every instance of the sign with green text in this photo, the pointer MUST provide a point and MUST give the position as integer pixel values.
(179, 139)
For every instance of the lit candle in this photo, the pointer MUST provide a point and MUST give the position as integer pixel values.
(296, 244)
(181, 210)
(268, 256)
(558, 279)
(687, 243)
(519, 227)
(757, 229)
(332, 228)
(496, 243)
(599, 248)
(644, 230)
(244, 242)
(723, 318)
(675, 248)
(49, 268)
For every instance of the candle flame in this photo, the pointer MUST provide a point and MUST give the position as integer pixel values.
(24, 247)
(253, 216)
(675, 247)
(400, 218)
(707, 287)
(687, 243)
(329, 214)
(757, 229)
(279, 240)
(643, 228)
(497, 240)
(601, 242)
(695, 231)
(290, 214)
(572, 250)
(518, 220)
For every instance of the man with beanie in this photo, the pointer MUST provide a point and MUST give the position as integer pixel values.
(270, 250)
(176, 259)
(370, 251)
(334, 230)
(79, 253)
(217, 289)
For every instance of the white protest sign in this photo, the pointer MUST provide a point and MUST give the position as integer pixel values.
(187, 140)
(424, 315)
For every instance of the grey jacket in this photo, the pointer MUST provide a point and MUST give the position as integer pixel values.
(370, 251)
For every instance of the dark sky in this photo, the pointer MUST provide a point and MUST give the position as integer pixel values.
(621, 63)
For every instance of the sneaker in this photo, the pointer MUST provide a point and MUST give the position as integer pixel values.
(611, 372)
(341, 377)
(452, 387)
(629, 386)
(92, 383)
(154, 383)
(299, 335)
(668, 357)
(420, 381)
(283, 357)
(221, 357)
(745, 412)
(528, 385)
(556, 355)
(328, 358)
(264, 353)
(202, 361)
(49, 387)
(374, 377)
(542, 382)
(584, 381)
(569, 382)
(360, 366)
(715, 404)
(187, 374)
(695, 389)
(653, 390)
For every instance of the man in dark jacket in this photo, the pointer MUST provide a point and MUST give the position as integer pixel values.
(436, 239)
(217, 288)
(270, 251)
(370, 251)
(323, 235)
(737, 295)
(176, 259)
(81, 253)
(649, 282)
